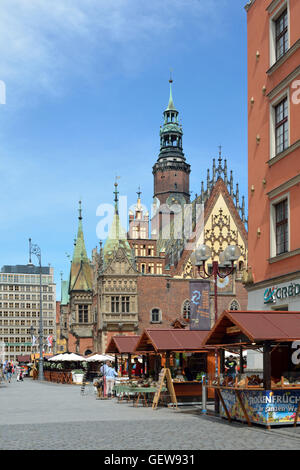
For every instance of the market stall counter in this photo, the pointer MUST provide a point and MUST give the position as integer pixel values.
(183, 351)
(271, 397)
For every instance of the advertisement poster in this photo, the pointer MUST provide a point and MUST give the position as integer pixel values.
(263, 407)
(200, 312)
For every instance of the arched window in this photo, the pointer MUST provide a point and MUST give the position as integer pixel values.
(155, 315)
(234, 305)
(186, 310)
(87, 352)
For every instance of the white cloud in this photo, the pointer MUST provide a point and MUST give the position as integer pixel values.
(44, 41)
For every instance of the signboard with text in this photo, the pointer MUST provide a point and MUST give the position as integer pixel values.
(200, 311)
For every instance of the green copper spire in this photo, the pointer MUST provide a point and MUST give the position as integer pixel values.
(81, 274)
(117, 236)
(171, 106)
(79, 250)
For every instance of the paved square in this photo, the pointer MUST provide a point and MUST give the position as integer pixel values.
(51, 416)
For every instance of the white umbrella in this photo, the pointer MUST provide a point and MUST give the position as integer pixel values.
(99, 358)
(56, 358)
(71, 357)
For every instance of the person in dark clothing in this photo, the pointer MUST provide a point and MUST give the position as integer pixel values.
(188, 374)
(230, 365)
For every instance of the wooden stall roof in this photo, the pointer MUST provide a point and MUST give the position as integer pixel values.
(122, 344)
(254, 327)
(171, 340)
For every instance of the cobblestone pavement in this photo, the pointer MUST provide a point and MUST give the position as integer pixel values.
(50, 416)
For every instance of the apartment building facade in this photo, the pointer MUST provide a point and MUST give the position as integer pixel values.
(20, 308)
(274, 154)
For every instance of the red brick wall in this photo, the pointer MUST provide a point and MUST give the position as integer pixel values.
(153, 293)
(165, 181)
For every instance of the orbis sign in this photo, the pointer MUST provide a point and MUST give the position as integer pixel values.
(273, 294)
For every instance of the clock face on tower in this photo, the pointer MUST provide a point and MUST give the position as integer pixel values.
(223, 283)
(176, 198)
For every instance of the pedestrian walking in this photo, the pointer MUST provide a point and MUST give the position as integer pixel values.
(9, 370)
(20, 375)
(109, 375)
(110, 380)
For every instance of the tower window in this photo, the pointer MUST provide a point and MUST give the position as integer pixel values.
(83, 313)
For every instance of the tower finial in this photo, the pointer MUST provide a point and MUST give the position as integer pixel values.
(80, 211)
(139, 192)
(116, 192)
(171, 104)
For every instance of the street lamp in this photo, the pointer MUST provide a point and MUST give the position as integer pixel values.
(227, 258)
(53, 346)
(35, 250)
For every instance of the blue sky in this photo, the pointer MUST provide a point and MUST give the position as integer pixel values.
(86, 85)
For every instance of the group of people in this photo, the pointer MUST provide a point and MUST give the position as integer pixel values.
(108, 375)
(8, 370)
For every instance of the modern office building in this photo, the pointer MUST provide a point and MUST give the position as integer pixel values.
(274, 154)
(20, 307)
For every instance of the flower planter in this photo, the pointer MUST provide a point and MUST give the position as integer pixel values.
(77, 378)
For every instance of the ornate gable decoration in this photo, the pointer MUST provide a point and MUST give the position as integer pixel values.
(220, 235)
(120, 264)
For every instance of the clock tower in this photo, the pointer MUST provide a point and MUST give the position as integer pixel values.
(171, 172)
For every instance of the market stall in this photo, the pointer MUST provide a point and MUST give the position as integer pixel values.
(24, 362)
(271, 397)
(64, 368)
(184, 353)
(123, 347)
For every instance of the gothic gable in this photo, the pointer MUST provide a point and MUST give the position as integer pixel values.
(120, 265)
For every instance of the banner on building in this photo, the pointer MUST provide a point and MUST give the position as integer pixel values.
(200, 311)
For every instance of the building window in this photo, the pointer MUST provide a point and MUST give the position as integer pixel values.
(83, 313)
(155, 315)
(281, 214)
(281, 33)
(234, 305)
(281, 126)
(125, 305)
(159, 268)
(115, 304)
(143, 268)
(151, 268)
(186, 310)
(143, 250)
(150, 251)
